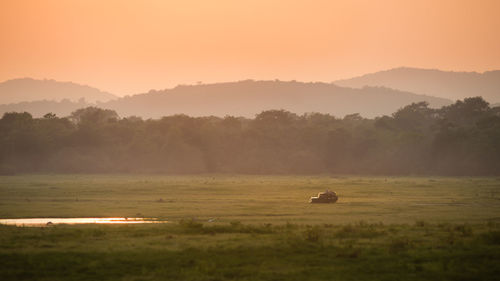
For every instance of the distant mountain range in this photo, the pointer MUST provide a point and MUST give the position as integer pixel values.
(371, 95)
(444, 84)
(247, 98)
(27, 89)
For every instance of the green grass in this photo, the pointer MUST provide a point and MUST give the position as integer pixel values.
(252, 199)
(401, 228)
(194, 251)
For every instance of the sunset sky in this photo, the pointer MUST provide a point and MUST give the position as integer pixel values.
(128, 47)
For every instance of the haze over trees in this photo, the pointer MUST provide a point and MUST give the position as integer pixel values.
(458, 139)
(445, 84)
(40, 108)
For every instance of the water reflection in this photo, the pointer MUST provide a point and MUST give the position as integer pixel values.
(53, 221)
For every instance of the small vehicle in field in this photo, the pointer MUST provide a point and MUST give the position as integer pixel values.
(325, 197)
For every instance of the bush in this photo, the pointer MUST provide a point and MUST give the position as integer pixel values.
(491, 237)
(400, 244)
(464, 229)
(313, 234)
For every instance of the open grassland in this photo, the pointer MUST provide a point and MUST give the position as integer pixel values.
(252, 199)
(253, 228)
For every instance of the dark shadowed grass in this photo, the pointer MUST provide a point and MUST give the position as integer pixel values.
(191, 250)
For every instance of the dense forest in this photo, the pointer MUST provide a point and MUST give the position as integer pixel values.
(459, 139)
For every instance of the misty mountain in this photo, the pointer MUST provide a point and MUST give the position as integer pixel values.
(444, 84)
(28, 89)
(247, 98)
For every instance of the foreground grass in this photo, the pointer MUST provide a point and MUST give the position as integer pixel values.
(190, 250)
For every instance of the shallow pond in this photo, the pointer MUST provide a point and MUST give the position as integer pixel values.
(54, 221)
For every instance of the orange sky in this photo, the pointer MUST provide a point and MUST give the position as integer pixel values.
(131, 46)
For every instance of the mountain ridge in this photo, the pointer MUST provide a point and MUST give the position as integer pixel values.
(452, 85)
(30, 89)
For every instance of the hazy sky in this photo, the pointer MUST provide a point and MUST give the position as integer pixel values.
(128, 46)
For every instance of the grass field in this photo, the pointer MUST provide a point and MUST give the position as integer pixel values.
(261, 228)
(252, 199)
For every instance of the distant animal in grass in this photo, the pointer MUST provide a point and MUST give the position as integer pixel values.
(325, 197)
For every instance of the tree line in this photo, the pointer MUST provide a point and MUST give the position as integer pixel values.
(459, 139)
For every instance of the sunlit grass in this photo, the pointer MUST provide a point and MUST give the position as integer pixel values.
(251, 199)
